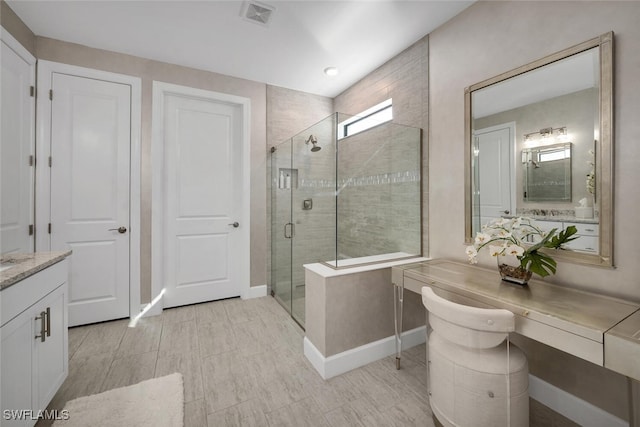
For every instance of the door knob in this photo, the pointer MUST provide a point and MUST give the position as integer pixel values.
(506, 212)
(120, 230)
(235, 224)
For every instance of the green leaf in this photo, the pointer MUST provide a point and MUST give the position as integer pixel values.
(565, 236)
(541, 264)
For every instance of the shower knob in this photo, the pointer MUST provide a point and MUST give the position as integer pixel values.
(235, 224)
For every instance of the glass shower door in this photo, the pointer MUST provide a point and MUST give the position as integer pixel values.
(281, 228)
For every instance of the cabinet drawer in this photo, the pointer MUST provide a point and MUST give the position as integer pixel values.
(20, 296)
(585, 229)
(584, 243)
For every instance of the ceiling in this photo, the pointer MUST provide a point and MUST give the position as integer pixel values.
(301, 39)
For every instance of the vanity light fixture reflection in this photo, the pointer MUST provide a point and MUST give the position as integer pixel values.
(547, 132)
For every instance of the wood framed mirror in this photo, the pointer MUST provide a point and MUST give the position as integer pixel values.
(563, 98)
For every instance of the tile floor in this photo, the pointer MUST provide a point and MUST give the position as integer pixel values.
(243, 365)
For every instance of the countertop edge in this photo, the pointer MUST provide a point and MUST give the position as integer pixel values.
(28, 265)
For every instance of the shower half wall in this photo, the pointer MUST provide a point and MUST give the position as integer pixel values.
(350, 201)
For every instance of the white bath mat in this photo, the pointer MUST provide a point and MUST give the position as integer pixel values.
(158, 402)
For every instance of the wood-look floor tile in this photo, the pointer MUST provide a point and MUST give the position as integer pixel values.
(195, 414)
(102, 338)
(179, 337)
(333, 393)
(76, 336)
(411, 411)
(143, 338)
(222, 367)
(239, 311)
(86, 375)
(227, 418)
(215, 338)
(381, 393)
(304, 413)
(189, 365)
(178, 314)
(282, 392)
(211, 312)
(230, 392)
(128, 370)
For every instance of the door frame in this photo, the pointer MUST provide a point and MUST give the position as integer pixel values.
(160, 91)
(45, 69)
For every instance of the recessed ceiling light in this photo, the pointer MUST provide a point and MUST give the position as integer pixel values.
(331, 71)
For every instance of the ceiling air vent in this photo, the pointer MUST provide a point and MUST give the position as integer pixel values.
(257, 12)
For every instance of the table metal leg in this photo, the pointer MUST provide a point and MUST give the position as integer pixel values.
(634, 402)
(398, 302)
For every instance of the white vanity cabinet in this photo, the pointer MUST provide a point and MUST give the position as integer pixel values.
(588, 234)
(34, 342)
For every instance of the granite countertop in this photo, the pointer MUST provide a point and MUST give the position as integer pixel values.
(25, 265)
(559, 218)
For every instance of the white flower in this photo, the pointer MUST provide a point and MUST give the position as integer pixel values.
(472, 253)
(515, 250)
(482, 238)
(504, 234)
(496, 250)
(517, 222)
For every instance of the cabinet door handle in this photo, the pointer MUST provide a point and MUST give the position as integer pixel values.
(43, 326)
(48, 321)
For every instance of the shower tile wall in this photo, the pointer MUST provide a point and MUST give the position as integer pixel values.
(378, 181)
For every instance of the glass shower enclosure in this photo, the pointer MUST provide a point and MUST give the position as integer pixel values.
(342, 201)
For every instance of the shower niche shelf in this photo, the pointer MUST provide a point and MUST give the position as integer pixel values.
(287, 178)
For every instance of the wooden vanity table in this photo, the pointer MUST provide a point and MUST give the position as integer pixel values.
(600, 329)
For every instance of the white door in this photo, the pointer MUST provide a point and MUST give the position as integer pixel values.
(495, 172)
(17, 145)
(90, 168)
(202, 181)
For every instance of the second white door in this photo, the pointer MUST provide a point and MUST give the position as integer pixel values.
(202, 180)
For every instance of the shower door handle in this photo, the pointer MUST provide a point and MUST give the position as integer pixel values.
(292, 230)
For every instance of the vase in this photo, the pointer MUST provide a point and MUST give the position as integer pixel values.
(513, 273)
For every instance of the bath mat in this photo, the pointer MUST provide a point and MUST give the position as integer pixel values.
(158, 402)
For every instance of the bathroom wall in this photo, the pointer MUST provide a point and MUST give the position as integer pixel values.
(403, 78)
(485, 40)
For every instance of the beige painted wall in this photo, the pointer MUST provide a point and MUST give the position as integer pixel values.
(14, 25)
(487, 39)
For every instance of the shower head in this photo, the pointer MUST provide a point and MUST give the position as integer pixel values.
(314, 141)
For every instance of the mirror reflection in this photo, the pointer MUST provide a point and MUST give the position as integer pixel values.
(540, 145)
(547, 173)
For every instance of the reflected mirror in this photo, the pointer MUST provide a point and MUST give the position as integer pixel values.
(547, 173)
(539, 144)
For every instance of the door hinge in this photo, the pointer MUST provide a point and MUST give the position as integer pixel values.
(49, 228)
(50, 161)
(31, 229)
(51, 94)
(32, 91)
(32, 160)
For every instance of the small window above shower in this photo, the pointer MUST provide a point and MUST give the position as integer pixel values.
(374, 116)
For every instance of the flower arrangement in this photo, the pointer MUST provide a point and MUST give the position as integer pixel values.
(512, 236)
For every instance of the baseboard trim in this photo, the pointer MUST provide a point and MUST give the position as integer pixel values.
(329, 367)
(570, 406)
(255, 292)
